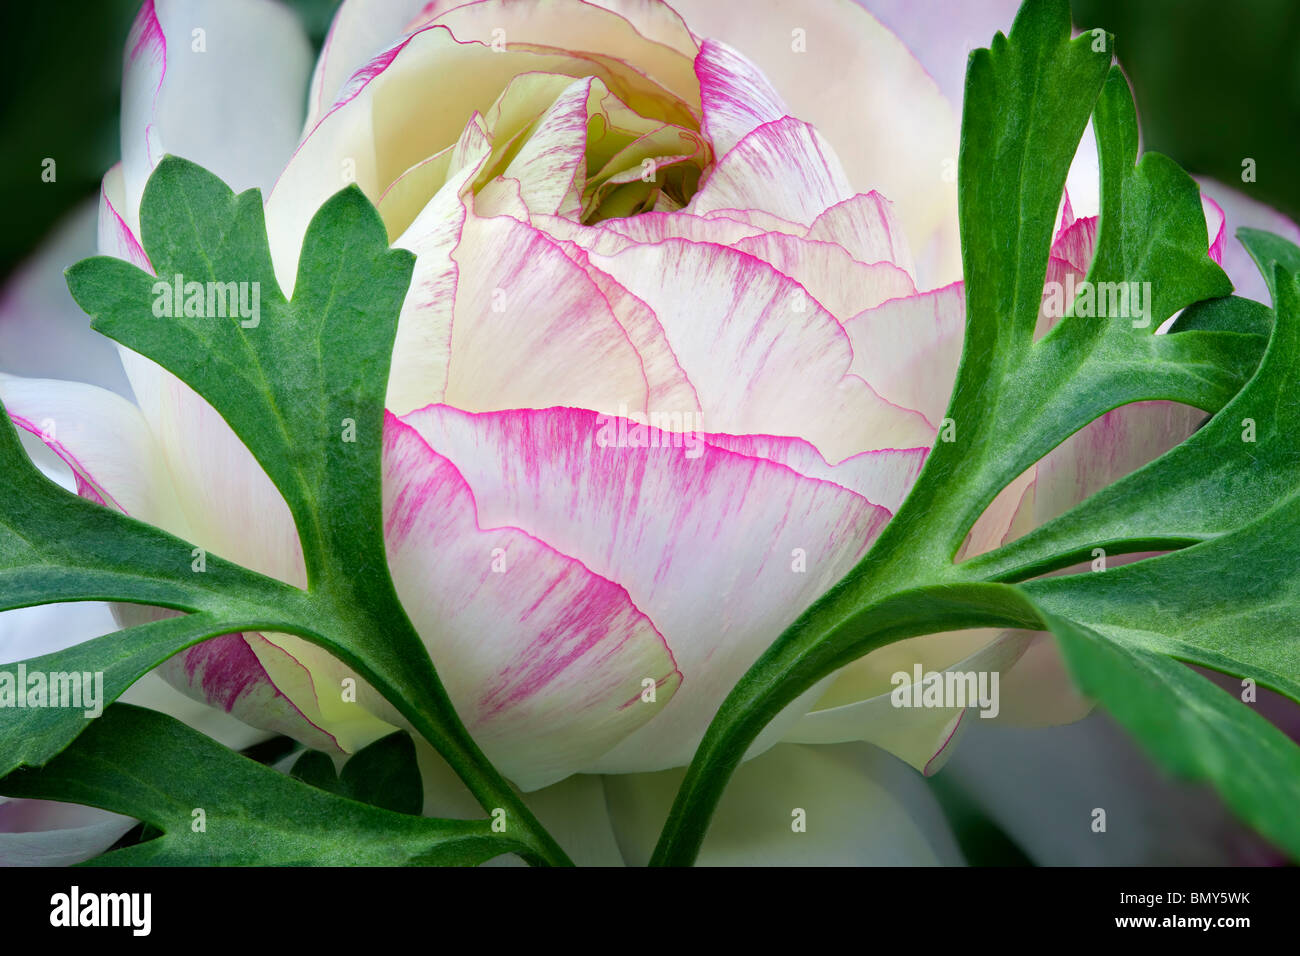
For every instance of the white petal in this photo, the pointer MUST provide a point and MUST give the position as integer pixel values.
(45, 833)
(192, 73)
(43, 332)
(859, 807)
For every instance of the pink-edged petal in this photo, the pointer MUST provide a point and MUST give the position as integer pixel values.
(842, 284)
(325, 691)
(909, 348)
(922, 736)
(737, 97)
(45, 833)
(760, 220)
(858, 806)
(551, 165)
(360, 30)
(838, 68)
(532, 330)
(867, 228)
(884, 477)
(784, 167)
(544, 659)
(190, 75)
(1076, 244)
(763, 356)
(586, 28)
(116, 461)
(1067, 266)
(226, 674)
(1216, 225)
(155, 693)
(614, 235)
(116, 238)
(668, 387)
(681, 526)
(104, 439)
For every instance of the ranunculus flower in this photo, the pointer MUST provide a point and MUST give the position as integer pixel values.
(685, 317)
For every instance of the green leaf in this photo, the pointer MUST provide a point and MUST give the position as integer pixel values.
(1229, 314)
(1193, 728)
(384, 774)
(217, 808)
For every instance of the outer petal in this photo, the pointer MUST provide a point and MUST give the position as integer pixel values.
(226, 674)
(923, 737)
(116, 238)
(860, 807)
(116, 461)
(189, 79)
(884, 477)
(749, 539)
(360, 30)
(44, 833)
(851, 78)
(573, 810)
(104, 439)
(422, 349)
(42, 330)
(666, 381)
(229, 505)
(544, 660)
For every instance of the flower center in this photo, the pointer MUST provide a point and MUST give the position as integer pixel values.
(573, 148)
